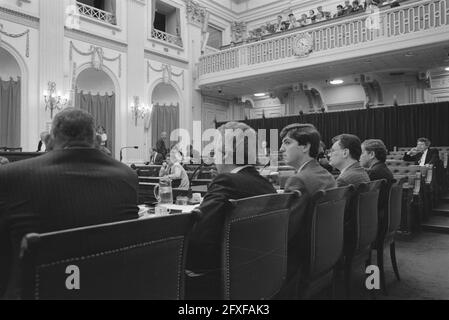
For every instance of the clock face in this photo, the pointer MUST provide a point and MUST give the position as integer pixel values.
(303, 45)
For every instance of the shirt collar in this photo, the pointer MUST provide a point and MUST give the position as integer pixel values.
(345, 169)
(304, 165)
(238, 169)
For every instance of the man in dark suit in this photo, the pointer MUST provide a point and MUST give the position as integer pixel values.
(423, 154)
(156, 158)
(236, 180)
(74, 185)
(161, 145)
(345, 156)
(300, 147)
(373, 158)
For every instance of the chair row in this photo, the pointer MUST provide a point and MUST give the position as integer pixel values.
(145, 259)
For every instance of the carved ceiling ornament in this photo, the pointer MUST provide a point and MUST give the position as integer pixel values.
(195, 12)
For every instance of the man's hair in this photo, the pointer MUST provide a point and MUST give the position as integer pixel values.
(291, 15)
(73, 126)
(378, 147)
(243, 140)
(426, 141)
(350, 142)
(304, 133)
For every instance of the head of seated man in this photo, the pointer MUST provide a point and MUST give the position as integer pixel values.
(373, 151)
(345, 156)
(300, 144)
(236, 146)
(3, 161)
(73, 128)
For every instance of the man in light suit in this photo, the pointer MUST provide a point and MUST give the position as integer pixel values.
(237, 179)
(300, 147)
(423, 154)
(75, 185)
(345, 156)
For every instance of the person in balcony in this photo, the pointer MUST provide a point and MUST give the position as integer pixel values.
(325, 14)
(356, 7)
(347, 7)
(340, 11)
(304, 21)
(280, 26)
(311, 16)
(320, 17)
(293, 22)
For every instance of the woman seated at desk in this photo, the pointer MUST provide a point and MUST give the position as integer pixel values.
(173, 170)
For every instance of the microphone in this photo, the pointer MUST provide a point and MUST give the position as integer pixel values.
(121, 151)
(189, 192)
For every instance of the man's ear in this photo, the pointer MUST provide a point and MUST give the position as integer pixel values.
(307, 148)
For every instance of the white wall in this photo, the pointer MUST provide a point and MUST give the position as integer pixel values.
(165, 94)
(94, 81)
(342, 94)
(9, 67)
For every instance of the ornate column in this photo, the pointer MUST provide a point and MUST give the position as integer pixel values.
(197, 21)
(51, 52)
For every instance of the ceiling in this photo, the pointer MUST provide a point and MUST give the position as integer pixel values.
(409, 61)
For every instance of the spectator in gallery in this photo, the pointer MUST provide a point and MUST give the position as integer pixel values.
(41, 144)
(340, 11)
(280, 26)
(101, 131)
(293, 23)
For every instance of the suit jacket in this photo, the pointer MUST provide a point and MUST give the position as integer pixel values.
(354, 175)
(204, 252)
(161, 147)
(60, 190)
(433, 157)
(312, 178)
(158, 161)
(380, 171)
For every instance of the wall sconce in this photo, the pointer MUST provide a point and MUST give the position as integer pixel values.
(54, 101)
(138, 110)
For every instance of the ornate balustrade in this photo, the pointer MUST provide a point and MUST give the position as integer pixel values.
(353, 32)
(163, 36)
(95, 13)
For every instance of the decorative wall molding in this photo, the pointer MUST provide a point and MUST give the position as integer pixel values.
(19, 17)
(97, 57)
(167, 73)
(196, 13)
(96, 40)
(15, 36)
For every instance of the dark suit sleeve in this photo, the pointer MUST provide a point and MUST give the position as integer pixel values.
(434, 157)
(414, 158)
(5, 245)
(206, 237)
(295, 183)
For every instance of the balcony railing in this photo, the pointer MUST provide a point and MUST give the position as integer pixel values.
(95, 13)
(409, 19)
(163, 36)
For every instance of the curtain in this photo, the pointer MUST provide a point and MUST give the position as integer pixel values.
(10, 105)
(397, 126)
(165, 119)
(102, 108)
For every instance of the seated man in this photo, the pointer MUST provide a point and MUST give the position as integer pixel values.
(73, 186)
(345, 156)
(423, 154)
(3, 161)
(237, 179)
(156, 158)
(300, 147)
(373, 158)
(173, 170)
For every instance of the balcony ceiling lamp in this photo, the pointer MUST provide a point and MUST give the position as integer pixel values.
(336, 82)
(260, 95)
(447, 68)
